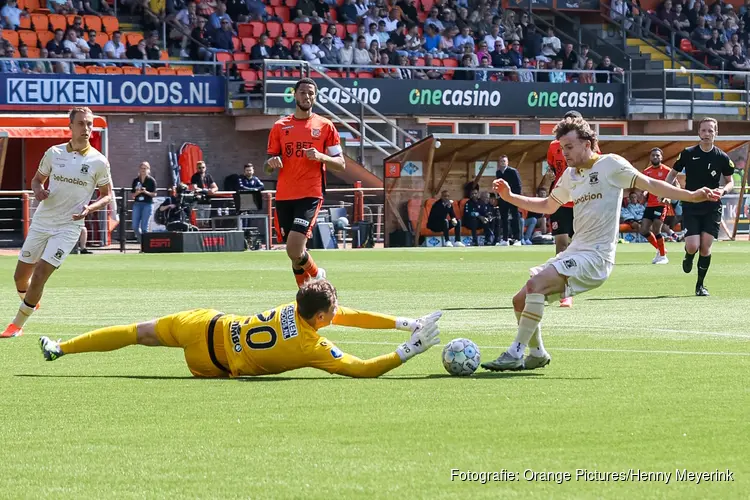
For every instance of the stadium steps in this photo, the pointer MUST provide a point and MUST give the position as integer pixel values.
(680, 81)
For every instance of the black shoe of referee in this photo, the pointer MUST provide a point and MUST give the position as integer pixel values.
(701, 291)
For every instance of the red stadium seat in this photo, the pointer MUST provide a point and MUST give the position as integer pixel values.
(28, 37)
(44, 37)
(70, 18)
(151, 71)
(184, 71)
(276, 3)
(351, 28)
(102, 38)
(282, 13)
(11, 36)
(166, 71)
(427, 5)
(80, 70)
(244, 30)
(95, 70)
(285, 42)
(258, 28)
(273, 29)
(290, 3)
(57, 21)
(241, 60)
(450, 63)
(341, 31)
(33, 52)
(131, 70)
(236, 43)
(364, 74)
(420, 61)
(113, 70)
(304, 28)
(249, 75)
(111, 24)
(164, 55)
(25, 23)
(40, 22)
(93, 23)
(133, 38)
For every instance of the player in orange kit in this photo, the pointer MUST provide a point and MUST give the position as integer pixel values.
(282, 339)
(301, 147)
(653, 217)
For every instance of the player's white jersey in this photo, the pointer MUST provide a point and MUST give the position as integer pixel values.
(73, 177)
(596, 194)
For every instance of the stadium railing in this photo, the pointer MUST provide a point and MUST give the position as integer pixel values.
(111, 66)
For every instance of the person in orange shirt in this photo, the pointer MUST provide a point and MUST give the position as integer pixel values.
(656, 210)
(218, 345)
(301, 147)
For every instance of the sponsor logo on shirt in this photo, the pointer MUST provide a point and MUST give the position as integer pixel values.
(594, 178)
(58, 254)
(234, 332)
(336, 353)
(84, 169)
(301, 222)
(288, 325)
(315, 132)
(569, 264)
(70, 180)
(587, 197)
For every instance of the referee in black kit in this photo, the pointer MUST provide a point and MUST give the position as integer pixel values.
(704, 164)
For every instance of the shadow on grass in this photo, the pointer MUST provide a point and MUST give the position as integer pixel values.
(652, 297)
(134, 377)
(497, 308)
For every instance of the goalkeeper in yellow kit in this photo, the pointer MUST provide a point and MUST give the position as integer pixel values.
(275, 341)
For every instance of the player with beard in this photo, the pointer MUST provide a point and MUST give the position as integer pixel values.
(656, 210)
(703, 164)
(301, 147)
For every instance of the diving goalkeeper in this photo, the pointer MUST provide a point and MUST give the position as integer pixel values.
(275, 341)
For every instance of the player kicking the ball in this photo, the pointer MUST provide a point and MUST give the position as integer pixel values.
(594, 184)
(301, 147)
(275, 341)
(74, 171)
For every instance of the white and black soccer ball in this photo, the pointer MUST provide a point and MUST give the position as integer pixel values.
(461, 357)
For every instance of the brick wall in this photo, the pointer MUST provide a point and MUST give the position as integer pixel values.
(225, 150)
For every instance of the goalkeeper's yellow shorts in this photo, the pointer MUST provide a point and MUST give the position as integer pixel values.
(200, 334)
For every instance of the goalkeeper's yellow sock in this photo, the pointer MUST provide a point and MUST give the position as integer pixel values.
(103, 339)
(536, 345)
(528, 323)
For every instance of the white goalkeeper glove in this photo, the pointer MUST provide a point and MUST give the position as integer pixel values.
(421, 340)
(411, 325)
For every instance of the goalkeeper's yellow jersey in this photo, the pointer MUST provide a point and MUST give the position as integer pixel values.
(279, 340)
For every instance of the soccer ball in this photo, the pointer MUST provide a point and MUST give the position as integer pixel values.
(461, 357)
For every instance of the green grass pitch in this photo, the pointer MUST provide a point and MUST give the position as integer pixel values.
(644, 376)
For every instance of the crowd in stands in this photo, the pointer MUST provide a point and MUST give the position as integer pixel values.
(715, 32)
(631, 215)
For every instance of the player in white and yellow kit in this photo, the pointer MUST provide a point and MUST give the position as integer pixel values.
(74, 170)
(594, 184)
(275, 341)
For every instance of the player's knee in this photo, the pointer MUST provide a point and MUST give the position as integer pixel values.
(519, 301)
(295, 254)
(691, 247)
(705, 251)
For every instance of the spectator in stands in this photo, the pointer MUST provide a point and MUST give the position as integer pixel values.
(260, 50)
(525, 75)
(95, 50)
(482, 51)
(296, 51)
(385, 71)
(464, 38)
(279, 50)
(322, 12)
(77, 46)
(248, 180)
(629, 213)
(525, 25)
(311, 52)
(25, 65)
(587, 75)
(515, 56)
(238, 10)
(464, 74)
(606, 65)
(8, 66)
(390, 49)
(113, 49)
(304, 11)
(432, 40)
(619, 13)
(199, 41)
(214, 20)
(61, 7)
(533, 43)
(137, 53)
(493, 39)
(202, 181)
(55, 46)
(729, 46)
(738, 62)
(559, 75)
(372, 35)
(511, 32)
(432, 74)
(392, 21)
(371, 17)
(442, 218)
(347, 13)
(476, 216)
(500, 58)
(403, 72)
(418, 73)
(448, 44)
(383, 35)
(185, 22)
(409, 13)
(533, 221)
(374, 52)
(11, 15)
(92, 7)
(221, 41)
(550, 45)
(434, 20)
(346, 55)
(715, 49)
(361, 54)
(583, 57)
(329, 53)
(468, 51)
(414, 42)
(144, 191)
(701, 34)
(153, 52)
(77, 26)
(543, 76)
(511, 176)
(715, 15)
(398, 38)
(680, 23)
(154, 14)
(44, 66)
(569, 57)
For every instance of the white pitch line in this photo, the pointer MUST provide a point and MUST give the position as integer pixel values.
(662, 330)
(574, 349)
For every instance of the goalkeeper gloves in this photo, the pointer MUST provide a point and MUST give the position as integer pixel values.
(411, 325)
(422, 339)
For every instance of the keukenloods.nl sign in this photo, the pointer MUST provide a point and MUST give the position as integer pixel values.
(200, 94)
(465, 98)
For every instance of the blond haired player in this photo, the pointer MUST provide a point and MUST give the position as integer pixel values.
(275, 341)
(74, 170)
(594, 184)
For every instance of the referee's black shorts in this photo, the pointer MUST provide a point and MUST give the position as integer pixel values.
(562, 221)
(701, 221)
(297, 215)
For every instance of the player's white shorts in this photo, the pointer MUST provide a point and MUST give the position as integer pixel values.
(584, 270)
(51, 245)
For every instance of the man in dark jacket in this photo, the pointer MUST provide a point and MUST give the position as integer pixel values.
(476, 216)
(510, 175)
(442, 218)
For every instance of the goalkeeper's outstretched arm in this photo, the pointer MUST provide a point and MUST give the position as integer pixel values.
(346, 316)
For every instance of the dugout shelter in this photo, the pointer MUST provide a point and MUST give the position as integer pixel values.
(415, 176)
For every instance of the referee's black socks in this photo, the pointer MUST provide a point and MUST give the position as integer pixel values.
(704, 262)
(687, 262)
